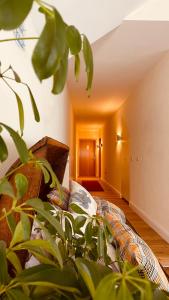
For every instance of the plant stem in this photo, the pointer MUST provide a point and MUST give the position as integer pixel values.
(5, 70)
(8, 85)
(17, 209)
(7, 77)
(12, 171)
(19, 38)
(3, 290)
(11, 285)
(38, 2)
(42, 5)
(15, 169)
(7, 214)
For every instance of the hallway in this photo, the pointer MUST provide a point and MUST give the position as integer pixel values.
(155, 242)
(127, 117)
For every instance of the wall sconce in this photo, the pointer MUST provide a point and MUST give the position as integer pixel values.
(119, 138)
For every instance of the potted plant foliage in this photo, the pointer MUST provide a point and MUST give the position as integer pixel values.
(73, 263)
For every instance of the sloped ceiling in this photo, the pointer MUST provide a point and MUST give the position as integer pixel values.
(123, 52)
(152, 10)
(95, 18)
(121, 59)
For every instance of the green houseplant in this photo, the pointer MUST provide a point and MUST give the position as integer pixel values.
(73, 264)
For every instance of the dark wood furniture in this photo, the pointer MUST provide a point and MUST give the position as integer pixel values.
(56, 153)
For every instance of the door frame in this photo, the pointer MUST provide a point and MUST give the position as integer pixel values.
(100, 157)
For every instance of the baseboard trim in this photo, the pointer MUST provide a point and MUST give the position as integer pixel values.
(112, 187)
(160, 230)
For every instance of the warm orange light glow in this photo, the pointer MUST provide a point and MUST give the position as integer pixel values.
(119, 138)
(88, 130)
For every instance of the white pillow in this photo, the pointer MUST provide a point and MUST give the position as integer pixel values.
(80, 196)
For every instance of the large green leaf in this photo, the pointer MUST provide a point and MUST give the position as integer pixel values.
(106, 289)
(14, 260)
(50, 47)
(11, 222)
(40, 248)
(88, 233)
(6, 188)
(73, 39)
(65, 277)
(100, 242)
(18, 235)
(19, 143)
(68, 229)
(79, 222)
(34, 245)
(26, 226)
(45, 174)
(59, 78)
(21, 183)
(60, 32)
(13, 13)
(124, 292)
(3, 150)
(92, 273)
(55, 182)
(42, 257)
(54, 246)
(16, 293)
(37, 205)
(21, 113)
(125, 285)
(40, 292)
(76, 208)
(108, 231)
(88, 58)
(77, 67)
(86, 275)
(34, 106)
(3, 264)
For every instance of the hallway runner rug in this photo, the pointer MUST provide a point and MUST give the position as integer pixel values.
(92, 185)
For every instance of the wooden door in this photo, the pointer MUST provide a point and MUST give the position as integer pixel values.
(87, 158)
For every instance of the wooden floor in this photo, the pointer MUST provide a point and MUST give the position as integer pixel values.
(155, 242)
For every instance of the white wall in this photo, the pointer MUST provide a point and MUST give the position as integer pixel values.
(115, 170)
(145, 115)
(53, 109)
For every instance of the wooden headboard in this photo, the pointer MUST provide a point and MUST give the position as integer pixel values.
(56, 153)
